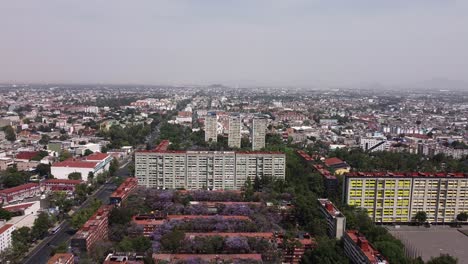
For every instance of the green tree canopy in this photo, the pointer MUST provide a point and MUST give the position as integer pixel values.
(443, 259)
(74, 176)
(420, 217)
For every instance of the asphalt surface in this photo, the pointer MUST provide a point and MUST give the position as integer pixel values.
(43, 252)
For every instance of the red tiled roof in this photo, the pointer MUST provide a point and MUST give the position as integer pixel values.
(16, 207)
(409, 174)
(26, 155)
(62, 181)
(75, 164)
(97, 156)
(332, 161)
(19, 188)
(369, 251)
(5, 228)
(65, 257)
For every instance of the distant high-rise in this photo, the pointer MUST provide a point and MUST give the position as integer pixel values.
(211, 127)
(234, 136)
(258, 133)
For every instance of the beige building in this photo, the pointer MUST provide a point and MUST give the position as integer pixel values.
(258, 133)
(397, 197)
(213, 170)
(234, 134)
(211, 127)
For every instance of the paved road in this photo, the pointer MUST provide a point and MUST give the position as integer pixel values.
(42, 252)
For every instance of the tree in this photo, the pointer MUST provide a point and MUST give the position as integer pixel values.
(81, 191)
(120, 215)
(5, 215)
(443, 259)
(172, 240)
(100, 250)
(41, 226)
(43, 169)
(462, 217)
(64, 155)
(113, 167)
(12, 181)
(420, 217)
(88, 152)
(90, 176)
(74, 176)
(44, 139)
(327, 251)
(10, 133)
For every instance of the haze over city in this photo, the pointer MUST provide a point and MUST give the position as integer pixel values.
(265, 42)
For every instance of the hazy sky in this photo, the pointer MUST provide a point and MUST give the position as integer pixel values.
(267, 42)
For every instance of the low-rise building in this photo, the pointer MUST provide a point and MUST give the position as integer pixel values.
(124, 258)
(149, 222)
(337, 165)
(360, 251)
(53, 185)
(62, 258)
(336, 221)
(95, 163)
(123, 191)
(20, 193)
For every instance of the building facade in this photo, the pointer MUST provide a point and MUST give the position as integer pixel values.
(5, 236)
(211, 127)
(258, 133)
(359, 250)
(371, 144)
(20, 192)
(234, 134)
(397, 197)
(96, 228)
(213, 170)
(336, 221)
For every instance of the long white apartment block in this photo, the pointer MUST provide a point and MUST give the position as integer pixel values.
(212, 170)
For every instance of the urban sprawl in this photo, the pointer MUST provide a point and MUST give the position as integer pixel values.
(215, 174)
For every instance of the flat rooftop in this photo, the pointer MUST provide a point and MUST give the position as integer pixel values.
(433, 241)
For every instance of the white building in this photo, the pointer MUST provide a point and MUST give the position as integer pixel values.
(213, 170)
(5, 235)
(258, 133)
(234, 134)
(374, 144)
(95, 163)
(92, 109)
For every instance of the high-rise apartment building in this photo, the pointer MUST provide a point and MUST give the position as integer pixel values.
(234, 134)
(213, 170)
(397, 197)
(211, 127)
(258, 132)
(336, 221)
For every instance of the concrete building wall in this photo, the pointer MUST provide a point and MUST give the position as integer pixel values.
(234, 134)
(258, 133)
